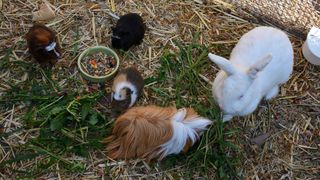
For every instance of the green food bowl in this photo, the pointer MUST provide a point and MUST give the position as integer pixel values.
(93, 50)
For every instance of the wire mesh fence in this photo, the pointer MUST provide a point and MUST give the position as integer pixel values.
(295, 16)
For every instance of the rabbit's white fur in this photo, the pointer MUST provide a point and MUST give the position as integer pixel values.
(259, 63)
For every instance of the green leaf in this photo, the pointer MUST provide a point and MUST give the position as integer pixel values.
(93, 119)
(73, 108)
(20, 157)
(56, 110)
(56, 123)
(85, 111)
(44, 151)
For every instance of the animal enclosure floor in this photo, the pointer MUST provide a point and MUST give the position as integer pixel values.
(179, 35)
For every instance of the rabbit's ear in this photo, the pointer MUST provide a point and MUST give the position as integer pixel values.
(259, 66)
(223, 64)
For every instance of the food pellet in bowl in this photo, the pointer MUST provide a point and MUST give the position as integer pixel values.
(98, 64)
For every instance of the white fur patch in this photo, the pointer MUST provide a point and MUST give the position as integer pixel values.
(120, 86)
(116, 37)
(58, 55)
(134, 97)
(182, 131)
(51, 46)
(227, 117)
(180, 115)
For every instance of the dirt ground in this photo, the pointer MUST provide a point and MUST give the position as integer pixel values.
(291, 120)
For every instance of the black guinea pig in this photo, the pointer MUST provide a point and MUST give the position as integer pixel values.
(129, 31)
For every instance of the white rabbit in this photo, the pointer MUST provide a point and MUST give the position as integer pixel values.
(259, 63)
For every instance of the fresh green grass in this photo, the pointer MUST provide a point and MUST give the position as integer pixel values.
(178, 81)
(69, 123)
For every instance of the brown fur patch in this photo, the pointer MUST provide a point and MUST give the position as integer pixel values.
(38, 37)
(187, 146)
(123, 93)
(139, 132)
(119, 78)
(43, 37)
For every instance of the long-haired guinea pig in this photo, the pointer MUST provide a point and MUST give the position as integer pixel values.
(129, 31)
(43, 45)
(127, 87)
(153, 132)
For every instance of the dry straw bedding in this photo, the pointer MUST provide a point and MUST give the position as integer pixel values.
(292, 119)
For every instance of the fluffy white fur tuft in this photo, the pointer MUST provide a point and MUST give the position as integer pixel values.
(182, 131)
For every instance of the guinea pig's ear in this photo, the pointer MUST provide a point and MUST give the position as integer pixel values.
(259, 66)
(223, 64)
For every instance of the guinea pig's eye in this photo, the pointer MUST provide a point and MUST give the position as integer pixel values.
(240, 96)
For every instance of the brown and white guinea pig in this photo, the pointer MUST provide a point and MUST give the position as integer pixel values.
(127, 87)
(129, 31)
(152, 132)
(43, 45)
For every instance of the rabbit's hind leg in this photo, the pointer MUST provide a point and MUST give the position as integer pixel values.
(272, 93)
(227, 117)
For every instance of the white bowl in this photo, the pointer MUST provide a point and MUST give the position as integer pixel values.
(311, 47)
